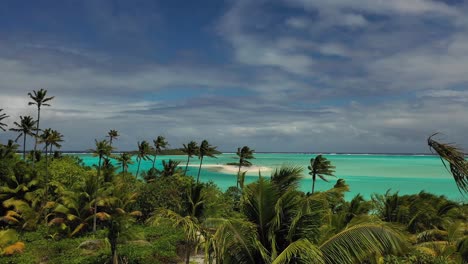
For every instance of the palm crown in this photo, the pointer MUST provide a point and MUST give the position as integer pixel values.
(25, 128)
(2, 116)
(112, 134)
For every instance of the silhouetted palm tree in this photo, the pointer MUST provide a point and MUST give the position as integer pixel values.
(124, 160)
(456, 161)
(103, 149)
(49, 138)
(160, 143)
(321, 167)
(191, 150)
(205, 150)
(144, 150)
(169, 168)
(25, 128)
(244, 153)
(39, 99)
(112, 134)
(55, 139)
(2, 116)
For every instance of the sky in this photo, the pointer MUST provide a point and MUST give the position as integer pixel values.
(281, 75)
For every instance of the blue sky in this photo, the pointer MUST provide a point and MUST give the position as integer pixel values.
(280, 75)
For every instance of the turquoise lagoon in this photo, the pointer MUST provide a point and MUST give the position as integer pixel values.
(365, 174)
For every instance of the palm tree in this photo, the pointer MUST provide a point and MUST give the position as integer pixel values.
(283, 226)
(124, 160)
(189, 219)
(2, 116)
(39, 99)
(455, 158)
(205, 150)
(321, 167)
(112, 134)
(144, 150)
(55, 139)
(8, 151)
(159, 144)
(103, 149)
(46, 138)
(25, 128)
(190, 149)
(169, 168)
(244, 153)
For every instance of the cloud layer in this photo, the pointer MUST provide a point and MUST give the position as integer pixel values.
(282, 75)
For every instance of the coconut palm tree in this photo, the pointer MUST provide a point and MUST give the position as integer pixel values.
(8, 151)
(39, 99)
(169, 168)
(125, 159)
(2, 116)
(244, 153)
(25, 128)
(112, 134)
(283, 226)
(144, 150)
(160, 143)
(189, 219)
(190, 149)
(321, 167)
(103, 149)
(205, 150)
(55, 139)
(455, 158)
(47, 138)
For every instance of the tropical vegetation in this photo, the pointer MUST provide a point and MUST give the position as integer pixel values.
(56, 209)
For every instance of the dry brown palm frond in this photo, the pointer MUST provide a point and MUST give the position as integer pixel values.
(455, 158)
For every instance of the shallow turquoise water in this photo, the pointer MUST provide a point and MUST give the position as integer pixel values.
(365, 174)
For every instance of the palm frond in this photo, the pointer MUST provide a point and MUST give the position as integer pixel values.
(302, 250)
(455, 158)
(360, 242)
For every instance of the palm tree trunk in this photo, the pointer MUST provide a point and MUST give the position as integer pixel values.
(186, 166)
(313, 183)
(24, 146)
(138, 170)
(238, 173)
(199, 169)
(37, 133)
(47, 174)
(96, 196)
(154, 160)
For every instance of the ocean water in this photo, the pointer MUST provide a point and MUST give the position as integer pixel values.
(365, 174)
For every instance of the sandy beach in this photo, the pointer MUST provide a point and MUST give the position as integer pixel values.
(232, 169)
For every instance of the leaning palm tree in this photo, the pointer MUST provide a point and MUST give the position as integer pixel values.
(160, 143)
(112, 134)
(190, 149)
(455, 158)
(321, 167)
(39, 99)
(125, 159)
(25, 128)
(205, 150)
(2, 116)
(103, 149)
(244, 153)
(144, 150)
